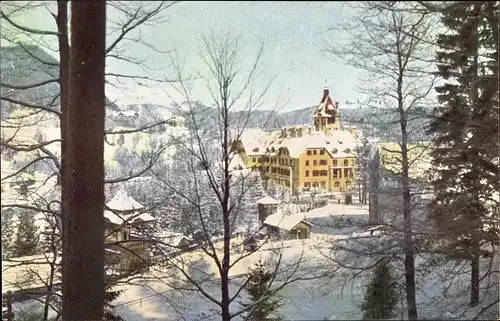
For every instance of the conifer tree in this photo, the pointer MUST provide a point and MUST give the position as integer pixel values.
(7, 232)
(26, 240)
(381, 295)
(465, 131)
(263, 307)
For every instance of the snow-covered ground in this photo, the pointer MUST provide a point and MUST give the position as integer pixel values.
(164, 294)
(330, 297)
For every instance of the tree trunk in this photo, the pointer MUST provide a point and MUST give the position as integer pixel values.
(411, 300)
(83, 243)
(62, 28)
(226, 210)
(474, 292)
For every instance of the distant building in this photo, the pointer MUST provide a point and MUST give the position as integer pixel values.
(125, 223)
(321, 156)
(288, 226)
(267, 206)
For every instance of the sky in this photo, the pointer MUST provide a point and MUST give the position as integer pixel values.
(295, 36)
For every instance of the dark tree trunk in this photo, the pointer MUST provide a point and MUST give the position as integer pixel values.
(411, 300)
(474, 291)
(62, 28)
(226, 211)
(409, 261)
(83, 239)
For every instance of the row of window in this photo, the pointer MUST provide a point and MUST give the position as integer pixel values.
(323, 162)
(317, 173)
(322, 151)
(281, 171)
(314, 152)
(289, 162)
(286, 162)
(322, 184)
(336, 173)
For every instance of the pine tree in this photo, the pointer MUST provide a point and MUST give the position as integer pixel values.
(261, 309)
(272, 190)
(381, 295)
(7, 232)
(466, 133)
(249, 190)
(26, 241)
(109, 296)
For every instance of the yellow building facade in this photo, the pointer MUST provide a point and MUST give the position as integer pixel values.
(319, 156)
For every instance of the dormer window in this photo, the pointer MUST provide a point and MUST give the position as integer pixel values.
(334, 151)
(255, 150)
(347, 150)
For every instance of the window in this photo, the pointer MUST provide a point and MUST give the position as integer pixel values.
(323, 172)
(315, 162)
(346, 172)
(259, 159)
(323, 162)
(314, 152)
(307, 163)
(335, 173)
(308, 152)
(334, 162)
(307, 184)
(346, 162)
(348, 183)
(254, 160)
(336, 184)
(307, 173)
(315, 184)
(322, 152)
(323, 184)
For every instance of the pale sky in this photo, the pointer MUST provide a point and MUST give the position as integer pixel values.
(294, 36)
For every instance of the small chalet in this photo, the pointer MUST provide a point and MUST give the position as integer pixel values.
(288, 226)
(172, 242)
(126, 220)
(267, 206)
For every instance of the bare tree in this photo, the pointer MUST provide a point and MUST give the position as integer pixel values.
(35, 85)
(387, 46)
(218, 185)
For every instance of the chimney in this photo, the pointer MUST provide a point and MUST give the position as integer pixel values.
(337, 104)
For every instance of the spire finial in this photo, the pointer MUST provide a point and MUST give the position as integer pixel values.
(326, 83)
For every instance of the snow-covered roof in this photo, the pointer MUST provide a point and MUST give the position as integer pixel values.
(285, 222)
(26, 272)
(145, 217)
(123, 202)
(340, 143)
(119, 219)
(172, 238)
(326, 108)
(268, 200)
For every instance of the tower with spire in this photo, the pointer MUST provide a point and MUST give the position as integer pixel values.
(326, 115)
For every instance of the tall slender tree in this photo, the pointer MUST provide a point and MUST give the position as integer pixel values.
(464, 153)
(83, 223)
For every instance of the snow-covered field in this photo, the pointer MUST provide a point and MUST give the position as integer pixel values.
(163, 293)
(330, 297)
